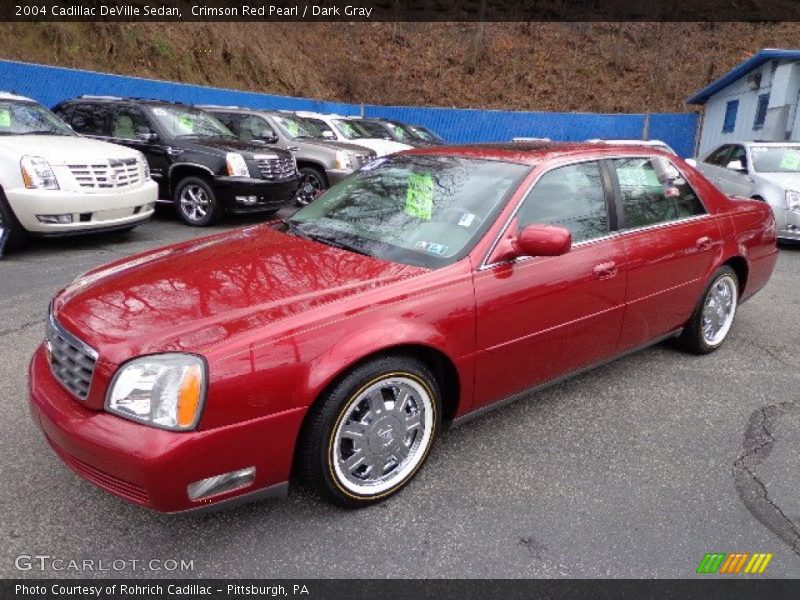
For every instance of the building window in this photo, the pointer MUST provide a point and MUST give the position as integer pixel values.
(761, 111)
(730, 116)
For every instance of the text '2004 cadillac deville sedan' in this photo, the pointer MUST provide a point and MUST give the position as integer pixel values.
(422, 290)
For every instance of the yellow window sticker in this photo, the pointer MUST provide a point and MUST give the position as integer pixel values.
(5, 118)
(187, 123)
(790, 161)
(419, 197)
(293, 128)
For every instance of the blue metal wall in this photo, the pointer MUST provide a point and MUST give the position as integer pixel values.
(49, 85)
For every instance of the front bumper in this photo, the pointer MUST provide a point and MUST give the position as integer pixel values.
(789, 226)
(153, 467)
(270, 195)
(90, 212)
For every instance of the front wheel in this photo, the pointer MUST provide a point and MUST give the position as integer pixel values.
(368, 437)
(713, 318)
(312, 182)
(12, 234)
(196, 203)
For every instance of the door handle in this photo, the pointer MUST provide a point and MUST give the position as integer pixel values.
(605, 270)
(704, 243)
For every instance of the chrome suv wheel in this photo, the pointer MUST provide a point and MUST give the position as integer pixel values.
(371, 434)
(713, 318)
(196, 203)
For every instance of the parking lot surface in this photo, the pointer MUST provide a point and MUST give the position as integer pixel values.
(635, 469)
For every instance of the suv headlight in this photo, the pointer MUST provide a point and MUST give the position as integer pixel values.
(37, 173)
(343, 160)
(162, 390)
(793, 200)
(237, 167)
(145, 167)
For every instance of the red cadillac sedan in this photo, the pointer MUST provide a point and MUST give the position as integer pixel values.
(423, 290)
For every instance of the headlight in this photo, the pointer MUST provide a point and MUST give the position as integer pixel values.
(145, 166)
(162, 390)
(237, 167)
(343, 160)
(793, 200)
(37, 173)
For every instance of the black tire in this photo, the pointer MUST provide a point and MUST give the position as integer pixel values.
(312, 180)
(13, 235)
(319, 444)
(693, 338)
(206, 212)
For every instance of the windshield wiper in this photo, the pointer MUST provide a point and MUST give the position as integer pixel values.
(294, 229)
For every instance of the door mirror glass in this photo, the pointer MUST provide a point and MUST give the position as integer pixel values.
(735, 165)
(268, 137)
(145, 135)
(543, 240)
(328, 135)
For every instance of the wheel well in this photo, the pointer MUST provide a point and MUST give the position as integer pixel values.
(739, 266)
(759, 198)
(179, 172)
(317, 166)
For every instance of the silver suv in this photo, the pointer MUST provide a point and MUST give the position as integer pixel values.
(320, 162)
(767, 171)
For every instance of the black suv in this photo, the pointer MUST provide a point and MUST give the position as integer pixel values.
(198, 163)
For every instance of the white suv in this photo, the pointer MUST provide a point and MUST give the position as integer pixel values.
(346, 129)
(54, 182)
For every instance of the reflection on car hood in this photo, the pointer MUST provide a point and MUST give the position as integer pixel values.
(195, 295)
(224, 145)
(328, 144)
(64, 149)
(789, 181)
(382, 147)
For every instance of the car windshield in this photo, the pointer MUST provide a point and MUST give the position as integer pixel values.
(351, 129)
(29, 118)
(400, 132)
(183, 121)
(297, 128)
(424, 134)
(375, 130)
(776, 159)
(427, 211)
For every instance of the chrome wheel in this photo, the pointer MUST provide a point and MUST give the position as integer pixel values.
(383, 435)
(194, 202)
(719, 309)
(309, 187)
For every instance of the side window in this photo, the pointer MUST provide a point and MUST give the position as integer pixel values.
(739, 154)
(654, 191)
(253, 127)
(322, 126)
(127, 122)
(230, 120)
(572, 197)
(719, 155)
(90, 119)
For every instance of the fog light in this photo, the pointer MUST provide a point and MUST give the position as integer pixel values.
(247, 199)
(218, 484)
(55, 219)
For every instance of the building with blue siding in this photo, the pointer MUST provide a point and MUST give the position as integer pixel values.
(757, 100)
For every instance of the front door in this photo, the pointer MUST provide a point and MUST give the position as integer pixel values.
(540, 318)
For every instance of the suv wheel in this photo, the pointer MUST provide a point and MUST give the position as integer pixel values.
(371, 433)
(312, 181)
(12, 234)
(196, 202)
(713, 317)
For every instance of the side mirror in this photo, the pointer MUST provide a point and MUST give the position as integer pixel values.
(146, 136)
(328, 135)
(543, 240)
(268, 137)
(691, 162)
(735, 165)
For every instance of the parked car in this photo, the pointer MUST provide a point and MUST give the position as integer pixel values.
(656, 144)
(393, 130)
(53, 182)
(199, 164)
(321, 163)
(427, 135)
(423, 290)
(766, 171)
(345, 129)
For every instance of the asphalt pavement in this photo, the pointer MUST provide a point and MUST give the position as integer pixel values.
(635, 469)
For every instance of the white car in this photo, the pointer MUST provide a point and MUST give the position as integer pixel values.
(345, 129)
(54, 182)
(657, 144)
(767, 171)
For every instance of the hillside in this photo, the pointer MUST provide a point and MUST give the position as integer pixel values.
(606, 67)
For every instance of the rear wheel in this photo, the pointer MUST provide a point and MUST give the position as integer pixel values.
(312, 181)
(713, 318)
(12, 233)
(372, 432)
(196, 203)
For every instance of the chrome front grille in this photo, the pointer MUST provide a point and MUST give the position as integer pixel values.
(276, 169)
(72, 362)
(113, 174)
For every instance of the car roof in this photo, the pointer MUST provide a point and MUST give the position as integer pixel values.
(624, 142)
(129, 100)
(12, 96)
(757, 143)
(534, 152)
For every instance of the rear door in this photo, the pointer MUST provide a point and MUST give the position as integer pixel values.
(670, 245)
(543, 317)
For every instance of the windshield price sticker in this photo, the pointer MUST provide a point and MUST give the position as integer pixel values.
(5, 117)
(419, 197)
(790, 161)
(187, 122)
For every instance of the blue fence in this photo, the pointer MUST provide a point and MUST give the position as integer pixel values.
(49, 85)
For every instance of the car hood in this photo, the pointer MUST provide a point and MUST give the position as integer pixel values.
(789, 181)
(328, 145)
(224, 145)
(64, 149)
(193, 296)
(381, 147)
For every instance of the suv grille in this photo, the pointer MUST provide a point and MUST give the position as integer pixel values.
(71, 361)
(116, 173)
(276, 169)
